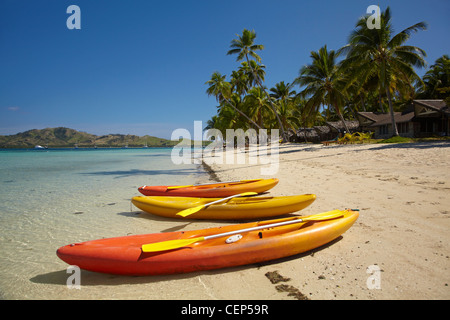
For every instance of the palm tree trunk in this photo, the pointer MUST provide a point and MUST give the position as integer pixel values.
(340, 116)
(362, 102)
(394, 125)
(343, 122)
(283, 133)
(381, 102)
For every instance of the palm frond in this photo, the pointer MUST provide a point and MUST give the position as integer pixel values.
(404, 36)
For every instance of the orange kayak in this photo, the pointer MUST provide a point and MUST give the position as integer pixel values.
(126, 256)
(213, 190)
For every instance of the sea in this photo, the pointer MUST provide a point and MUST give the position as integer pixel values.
(54, 197)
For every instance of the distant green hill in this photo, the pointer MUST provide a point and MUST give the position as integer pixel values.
(66, 138)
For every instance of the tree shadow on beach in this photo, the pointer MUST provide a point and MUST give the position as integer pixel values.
(414, 145)
(310, 149)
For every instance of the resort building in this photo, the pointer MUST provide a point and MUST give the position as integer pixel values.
(423, 118)
(432, 116)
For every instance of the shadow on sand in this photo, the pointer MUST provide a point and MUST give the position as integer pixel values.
(414, 145)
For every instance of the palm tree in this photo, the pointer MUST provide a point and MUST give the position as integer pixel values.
(324, 82)
(284, 98)
(244, 47)
(213, 123)
(283, 91)
(257, 105)
(437, 79)
(254, 72)
(221, 89)
(380, 53)
(239, 82)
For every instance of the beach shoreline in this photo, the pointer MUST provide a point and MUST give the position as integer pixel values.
(398, 248)
(400, 190)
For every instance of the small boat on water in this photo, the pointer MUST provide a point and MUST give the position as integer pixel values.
(38, 147)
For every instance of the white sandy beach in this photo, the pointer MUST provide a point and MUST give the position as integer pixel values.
(402, 191)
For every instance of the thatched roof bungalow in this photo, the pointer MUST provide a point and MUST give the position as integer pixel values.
(338, 126)
(304, 135)
(322, 133)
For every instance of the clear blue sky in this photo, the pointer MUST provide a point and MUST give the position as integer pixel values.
(140, 66)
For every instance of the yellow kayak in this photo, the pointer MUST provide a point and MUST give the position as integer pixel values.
(242, 208)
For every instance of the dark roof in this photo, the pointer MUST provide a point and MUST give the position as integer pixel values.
(380, 119)
(309, 132)
(322, 129)
(338, 125)
(373, 116)
(438, 105)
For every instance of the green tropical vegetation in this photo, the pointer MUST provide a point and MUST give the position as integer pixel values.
(374, 72)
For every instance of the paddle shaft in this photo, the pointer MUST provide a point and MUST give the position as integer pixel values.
(190, 211)
(273, 225)
(230, 197)
(180, 243)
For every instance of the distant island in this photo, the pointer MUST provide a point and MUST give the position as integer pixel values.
(69, 138)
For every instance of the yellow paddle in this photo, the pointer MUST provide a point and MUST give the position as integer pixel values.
(180, 243)
(190, 211)
(207, 184)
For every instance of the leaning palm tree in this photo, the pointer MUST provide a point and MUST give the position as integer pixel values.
(324, 82)
(245, 48)
(379, 53)
(221, 89)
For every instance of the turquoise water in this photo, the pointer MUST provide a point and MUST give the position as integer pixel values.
(43, 176)
(51, 198)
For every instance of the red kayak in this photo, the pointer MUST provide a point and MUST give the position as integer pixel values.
(213, 248)
(212, 190)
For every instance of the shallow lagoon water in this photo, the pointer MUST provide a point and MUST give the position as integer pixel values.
(52, 198)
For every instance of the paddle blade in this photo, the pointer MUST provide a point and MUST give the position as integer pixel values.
(324, 216)
(190, 211)
(169, 245)
(245, 194)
